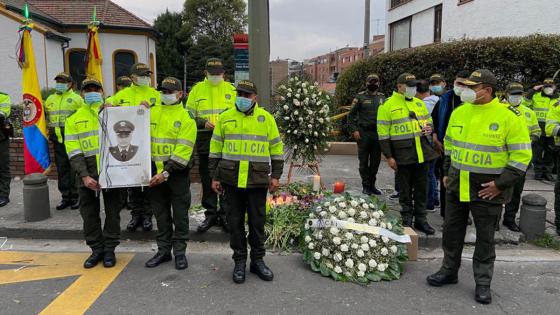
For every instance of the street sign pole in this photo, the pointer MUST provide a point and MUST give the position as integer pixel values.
(259, 48)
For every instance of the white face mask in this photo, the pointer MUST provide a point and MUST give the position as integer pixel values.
(410, 92)
(548, 91)
(468, 95)
(169, 99)
(458, 90)
(515, 100)
(143, 81)
(215, 79)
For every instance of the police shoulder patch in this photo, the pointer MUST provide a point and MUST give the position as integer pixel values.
(514, 110)
(261, 118)
(419, 104)
(494, 126)
(228, 96)
(177, 124)
(69, 100)
(557, 103)
(152, 100)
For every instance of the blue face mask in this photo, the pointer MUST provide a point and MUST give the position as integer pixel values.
(436, 89)
(243, 103)
(93, 97)
(61, 87)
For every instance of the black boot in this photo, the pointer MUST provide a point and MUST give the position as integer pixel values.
(75, 204)
(157, 260)
(367, 191)
(4, 201)
(376, 191)
(424, 227)
(259, 268)
(239, 272)
(147, 225)
(181, 262)
(512, 226)
(441, 278)
(134, 223)
(207, 224)
(92, 261)
(406, 222)
(109, 259)
(63, 204)
(483, 294)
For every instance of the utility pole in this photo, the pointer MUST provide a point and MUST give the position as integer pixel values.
(259, 48)
(366, 28)
(185, 73)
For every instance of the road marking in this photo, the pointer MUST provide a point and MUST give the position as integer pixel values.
(80, 295)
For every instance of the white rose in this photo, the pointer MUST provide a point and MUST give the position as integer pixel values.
(385, 239)
(365, 206)
(381, 267)
(349, 263)
(371, 222)
(289, 131)
(319, 236)
(362, 200)
(372, 263)
(362, 267)
(286, 107)
(376, 215)
(297, 96)
(393, 249)
(383, 225)
(337, 269)
(371, 205)
(329, 265)
(312, 216)
(351, 212)
(307, 238)
(332, 209)
(311, 246)
(351, 220)
(286, 118)
(364, 239)
(384, 251)
(327, 204)
(315, 147)
(325, 252)
(296, 113)
(342, 205)
(323, 214)
(343, 248)
(338, 199)
(321, 120)
(342, 215)
(348, 235)
(365, 247)
(360, 273)
(354, 203)
(360, 253)
(334, 231)
(355, 246)
(296, 102)
(337, 240)
(296, 132)
(289, 94)
(310, 126)
(337, 257)
(306, 140)
(372, 243)
(363, 215)
(317, 256)
(389, 226)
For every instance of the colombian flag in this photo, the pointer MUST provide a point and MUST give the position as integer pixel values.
(36, 149)
(93, 54)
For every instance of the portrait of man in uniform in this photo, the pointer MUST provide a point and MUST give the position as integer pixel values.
(124, 151)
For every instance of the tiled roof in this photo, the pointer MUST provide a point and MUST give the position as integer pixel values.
(79, 12)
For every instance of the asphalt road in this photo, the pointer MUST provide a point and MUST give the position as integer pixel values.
(521, 286)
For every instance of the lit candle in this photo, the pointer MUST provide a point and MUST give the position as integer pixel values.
(316, 183)
(338, 187)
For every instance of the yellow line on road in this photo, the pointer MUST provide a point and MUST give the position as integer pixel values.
(79, 296)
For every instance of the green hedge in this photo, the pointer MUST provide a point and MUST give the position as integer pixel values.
(526, 59)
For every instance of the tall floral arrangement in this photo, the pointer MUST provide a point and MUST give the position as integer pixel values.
(303, 119)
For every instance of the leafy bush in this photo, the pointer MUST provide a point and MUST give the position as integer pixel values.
(525, 59)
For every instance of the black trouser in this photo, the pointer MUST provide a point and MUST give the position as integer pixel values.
(369, 155)
(413, 184)
(106, 238)
(557, 200)
(543, 156)
(139, 201)
(66, 175)
(252, 201)
(513, 206)
(442, 189)
(209, 197)
(5, 176)
(171, 201)
(485, 216)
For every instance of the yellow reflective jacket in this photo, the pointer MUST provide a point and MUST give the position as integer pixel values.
(541, 106)
(399, 126)
(552, 126)
(173, 135)
(5, 105)
(206, 101)
(82, 140)
(243, 147)
(58, 107)
(529, 117)
(134, 95)
(485, 143)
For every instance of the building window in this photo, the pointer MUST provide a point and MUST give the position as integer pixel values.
(76, 65)
(396, 3)
(400, 34)
(464, 1)
(122, 61)
(437, 23)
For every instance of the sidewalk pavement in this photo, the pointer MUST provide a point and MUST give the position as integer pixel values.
(67, 224)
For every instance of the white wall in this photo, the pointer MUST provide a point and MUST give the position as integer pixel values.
(406, 10)
(484, 18)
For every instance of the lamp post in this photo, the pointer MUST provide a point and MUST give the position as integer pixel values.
(259, 48)
(366, 28)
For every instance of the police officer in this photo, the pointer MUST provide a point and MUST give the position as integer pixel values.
(82, 145)
(139, 93)
(363, 124)
(403, 124)
(514, 94)
(541, 98)
(59, 106)
(553, 130)
(5, 133)
(122, 83)
(206, 101)
(487, 151)
(173, 135)
(244, 146)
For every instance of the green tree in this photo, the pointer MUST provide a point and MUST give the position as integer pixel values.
(170, 45)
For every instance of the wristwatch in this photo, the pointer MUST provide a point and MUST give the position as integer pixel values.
(165, 175)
